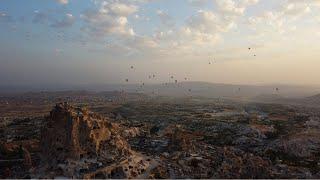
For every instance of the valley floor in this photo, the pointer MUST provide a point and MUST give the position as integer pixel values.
(177, 137)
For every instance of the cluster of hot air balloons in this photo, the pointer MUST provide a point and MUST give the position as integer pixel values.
(175, 81)
(153, 76)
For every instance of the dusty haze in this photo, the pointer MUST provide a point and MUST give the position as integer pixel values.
(233, 42)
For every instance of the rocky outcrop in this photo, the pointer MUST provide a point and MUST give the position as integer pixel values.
(75, 133)
(78, 143)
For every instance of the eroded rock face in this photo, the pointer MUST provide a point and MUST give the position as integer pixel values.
(78, 143)
(74, 133)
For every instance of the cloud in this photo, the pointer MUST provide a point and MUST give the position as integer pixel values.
(295, 9)
(40, 17)
(109, 18)
(204, 21)
(229, 7)
(165, 18)
(198, 2)
(232, 7)
(118, 9)
(53, 19)
(281, 18)
(246, 3)
(67, 21)
(198, 32)
(206, 26)
(4, 17)
(63, 1)
(141, 42)
(308, 2)
(203, 30)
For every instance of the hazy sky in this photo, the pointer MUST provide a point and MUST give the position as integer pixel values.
(97, 41)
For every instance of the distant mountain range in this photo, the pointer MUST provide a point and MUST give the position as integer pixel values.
(214, 90)
(261, 93)
(273, 98)
(312, 100)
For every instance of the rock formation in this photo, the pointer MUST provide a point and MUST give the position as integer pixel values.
(78, 143)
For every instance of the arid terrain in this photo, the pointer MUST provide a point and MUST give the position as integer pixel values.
(80, 134)
(159, 89)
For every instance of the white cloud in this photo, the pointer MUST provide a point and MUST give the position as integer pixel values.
(295, 9)
(199, 32)
(234, 7)
(204, 29)
(246, 3)
(230, 7)
(118, 9)
(67, 21)
(206, 26)
(165, 18)
(308, 2)
(109, 18)
(203, 21)
(40, 17)
(280, 19)
(198, 2)
(5, 17)
(63, 1)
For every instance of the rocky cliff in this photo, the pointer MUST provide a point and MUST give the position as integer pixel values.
(78, 143)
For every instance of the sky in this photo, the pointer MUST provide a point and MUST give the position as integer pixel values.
(220, 41)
